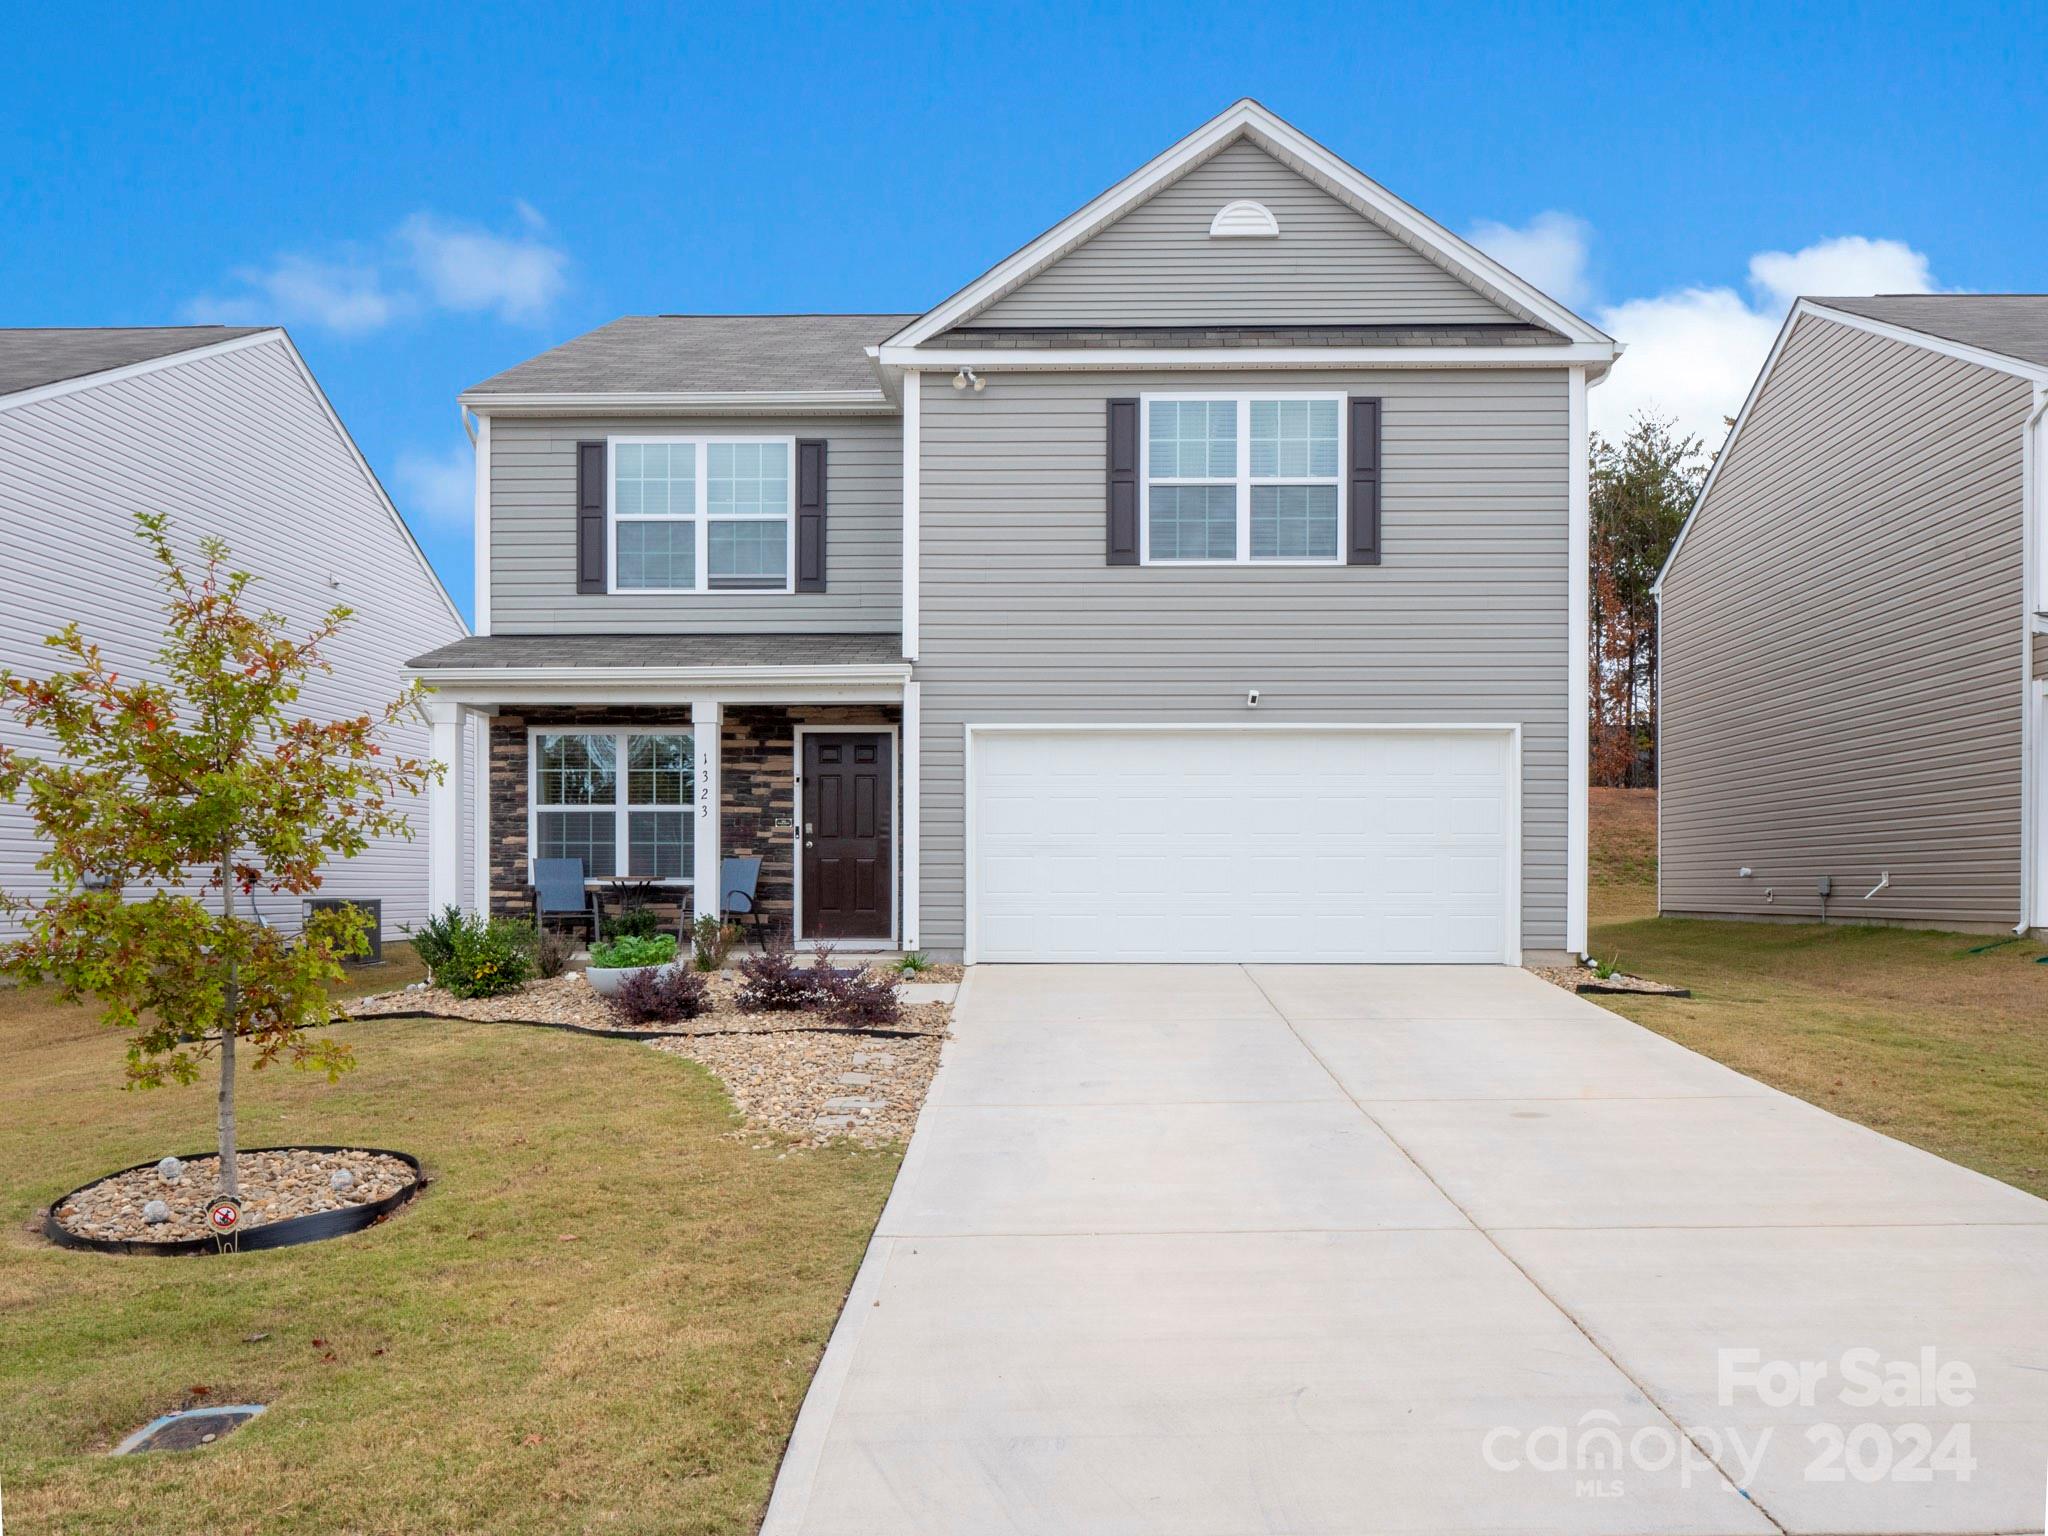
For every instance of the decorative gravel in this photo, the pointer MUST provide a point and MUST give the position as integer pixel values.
(1579, 978)
(821, 1087)
(275, 1185)
(569, 1000)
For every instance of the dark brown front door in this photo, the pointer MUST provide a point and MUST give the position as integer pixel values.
(848, 790)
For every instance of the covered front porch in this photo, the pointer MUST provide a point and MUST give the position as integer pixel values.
(655, 760)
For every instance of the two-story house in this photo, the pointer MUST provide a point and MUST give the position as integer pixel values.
(1204, 582)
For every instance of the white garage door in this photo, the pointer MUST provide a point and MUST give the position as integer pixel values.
(1275, 845)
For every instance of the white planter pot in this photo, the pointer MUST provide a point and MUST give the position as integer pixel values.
(605, 982)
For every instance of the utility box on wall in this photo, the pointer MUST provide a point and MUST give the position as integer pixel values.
(372, 905)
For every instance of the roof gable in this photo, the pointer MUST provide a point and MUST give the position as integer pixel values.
(1249, 124)
(35, 357)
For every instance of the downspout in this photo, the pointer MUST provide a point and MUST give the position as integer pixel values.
(2034, 512)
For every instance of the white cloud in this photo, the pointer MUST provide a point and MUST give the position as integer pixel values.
(437, 489)
(426, 263)
(1693, 353)
(345, 296)
(1550, 251)
(469, 269)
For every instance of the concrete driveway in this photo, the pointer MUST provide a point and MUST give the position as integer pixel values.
(1202, 1251)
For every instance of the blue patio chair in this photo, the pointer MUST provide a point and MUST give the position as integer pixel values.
(739, 877)
(558, 891)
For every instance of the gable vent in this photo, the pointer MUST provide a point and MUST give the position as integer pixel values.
(1244, 221)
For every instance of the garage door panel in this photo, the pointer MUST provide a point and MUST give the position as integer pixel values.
(1274, 846)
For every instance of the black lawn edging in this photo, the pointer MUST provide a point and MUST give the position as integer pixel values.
(658, 1034)
(288, 1233)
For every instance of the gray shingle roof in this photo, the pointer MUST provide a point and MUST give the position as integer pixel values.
(33, 357)
(689, 354)
(628, 651)
(2013, 324)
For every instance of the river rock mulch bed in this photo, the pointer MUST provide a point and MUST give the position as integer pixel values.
(275, 1185)
(1582, 979)
(821, 1087)
(569, 1000)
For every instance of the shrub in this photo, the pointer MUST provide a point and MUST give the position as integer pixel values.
(861, 999)
(434, 940)
(661, 997)
(712, 942)
(632, 949)
(635, 922)
(773, 982)
(914, 964)
(552, 952)
(485, 957)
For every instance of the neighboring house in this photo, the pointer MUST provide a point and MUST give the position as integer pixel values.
(1204, 582)
(1852, 635)
(226, 432)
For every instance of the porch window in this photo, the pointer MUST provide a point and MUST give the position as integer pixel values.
(707, 514)
(1242, 480)
(599, 794)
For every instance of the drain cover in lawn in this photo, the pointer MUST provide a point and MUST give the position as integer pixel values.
(189, 1430)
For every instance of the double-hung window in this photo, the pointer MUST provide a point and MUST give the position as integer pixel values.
(1243, 479)
(623, 802)
(701, 514)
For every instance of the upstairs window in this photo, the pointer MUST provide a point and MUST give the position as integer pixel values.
(1243, 479)
(702, 514)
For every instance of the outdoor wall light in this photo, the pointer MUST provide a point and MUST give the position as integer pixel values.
(967, 376)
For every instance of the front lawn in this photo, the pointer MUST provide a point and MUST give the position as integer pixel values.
(1934, 1038)
(603, 1313)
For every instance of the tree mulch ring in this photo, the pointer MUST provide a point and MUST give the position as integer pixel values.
(188, 1429)
(289, 1195)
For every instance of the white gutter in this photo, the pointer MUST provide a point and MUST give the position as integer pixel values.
(1123, 359)
(710, 677)
(685, 401)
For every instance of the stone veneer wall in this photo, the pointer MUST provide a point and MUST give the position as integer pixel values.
(757, 789)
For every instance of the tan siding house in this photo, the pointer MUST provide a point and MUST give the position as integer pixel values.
(1850, 699)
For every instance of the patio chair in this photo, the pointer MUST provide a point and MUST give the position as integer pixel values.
(739, 877)
(558, 891)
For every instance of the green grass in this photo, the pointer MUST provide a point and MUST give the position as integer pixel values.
(1905, 1030)
(602, 1315)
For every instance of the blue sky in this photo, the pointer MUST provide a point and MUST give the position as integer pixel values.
(427, 195)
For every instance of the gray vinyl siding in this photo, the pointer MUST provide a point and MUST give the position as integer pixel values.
(533, 532)
(234, 444)
(1157, 265)
(1841, 645)
(1464, 622)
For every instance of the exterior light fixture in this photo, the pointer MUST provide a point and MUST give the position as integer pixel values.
(967, 376)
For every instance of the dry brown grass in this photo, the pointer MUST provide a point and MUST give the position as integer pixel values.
(1917, 1034)
(602, 1315)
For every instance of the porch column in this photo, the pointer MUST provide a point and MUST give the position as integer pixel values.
(708, 899)
(444, 803)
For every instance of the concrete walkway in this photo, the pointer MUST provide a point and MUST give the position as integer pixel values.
(1219, 1250)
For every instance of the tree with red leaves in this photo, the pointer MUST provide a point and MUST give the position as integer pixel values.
(162, 794)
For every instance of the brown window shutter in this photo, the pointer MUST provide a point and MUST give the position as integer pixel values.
(590, 498)
(810, 514)
(1364, 547)
(1123, 482)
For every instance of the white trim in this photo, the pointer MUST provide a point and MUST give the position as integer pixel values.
(2033, 591)
(911, 764)
(1244, 219)
(1578, 664)
(621, 805)
(796, 915)
(512, 686)
(913, 512)
(444, 805)
(2039, 843)
(707, 749)
(1511, 895)
(699, 516)
(573, 402)
(57, 387)
(1243, 479)
(480, 786)
(482, 600)
(1132, 359)
(1247, 119)
(1998, 362)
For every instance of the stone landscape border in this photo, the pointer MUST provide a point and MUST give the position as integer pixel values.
(655, 1034)
(290, 1232)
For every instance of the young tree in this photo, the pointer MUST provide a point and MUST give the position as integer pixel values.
(1641, 489)
(162, 795)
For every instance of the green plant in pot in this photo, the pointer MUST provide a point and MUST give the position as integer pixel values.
(623, 955)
